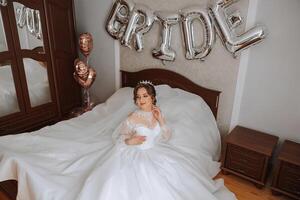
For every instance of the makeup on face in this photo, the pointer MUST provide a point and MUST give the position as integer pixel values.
(144, 100)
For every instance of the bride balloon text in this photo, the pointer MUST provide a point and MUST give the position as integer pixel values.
(128, 22)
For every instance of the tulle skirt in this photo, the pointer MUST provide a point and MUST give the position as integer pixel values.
(159, 173)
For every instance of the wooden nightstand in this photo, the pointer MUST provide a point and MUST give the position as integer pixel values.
(247, 154)
(286, 178)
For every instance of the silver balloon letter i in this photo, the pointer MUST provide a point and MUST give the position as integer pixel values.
(167, 20)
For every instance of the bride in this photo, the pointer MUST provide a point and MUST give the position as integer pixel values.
(147, 160)
(145, 167)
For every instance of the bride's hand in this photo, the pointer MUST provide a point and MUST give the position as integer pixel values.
(135, 140)
(157, 115)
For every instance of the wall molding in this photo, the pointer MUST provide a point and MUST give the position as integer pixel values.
(243, 66)
(117, 65)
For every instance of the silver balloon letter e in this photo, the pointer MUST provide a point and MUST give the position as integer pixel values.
(233, 43)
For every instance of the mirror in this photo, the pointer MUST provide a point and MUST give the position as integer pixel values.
(37, 81)
(8, 97)
(29, 26)
(3, 43)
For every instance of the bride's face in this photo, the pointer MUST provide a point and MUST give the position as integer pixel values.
(143, 99)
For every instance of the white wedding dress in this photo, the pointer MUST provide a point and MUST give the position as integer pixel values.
(85, 158)
(153, 170)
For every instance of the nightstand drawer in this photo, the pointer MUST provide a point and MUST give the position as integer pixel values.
(244, 161)
(289, 178)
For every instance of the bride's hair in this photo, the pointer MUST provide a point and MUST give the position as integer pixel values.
(149, 88)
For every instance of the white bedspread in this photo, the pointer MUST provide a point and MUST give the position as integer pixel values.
(57, 162)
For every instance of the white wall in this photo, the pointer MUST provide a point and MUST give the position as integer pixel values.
(91, 17)
(271, 96)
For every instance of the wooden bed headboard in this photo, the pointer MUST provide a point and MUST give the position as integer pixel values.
(175, 80)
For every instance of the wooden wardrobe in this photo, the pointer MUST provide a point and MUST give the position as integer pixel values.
(37, 50)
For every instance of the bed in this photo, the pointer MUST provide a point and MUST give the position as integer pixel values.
(54, 149)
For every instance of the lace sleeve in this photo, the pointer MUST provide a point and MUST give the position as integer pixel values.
(165, 133)
(126, 131)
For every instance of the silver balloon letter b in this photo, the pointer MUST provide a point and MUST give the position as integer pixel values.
(234, 43)
(118, 18)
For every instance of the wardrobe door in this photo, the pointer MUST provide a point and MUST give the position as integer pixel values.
(63, 46)
(32, 50)
(33, 60)
(11, 97)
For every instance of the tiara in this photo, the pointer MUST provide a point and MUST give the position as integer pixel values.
(146, 82)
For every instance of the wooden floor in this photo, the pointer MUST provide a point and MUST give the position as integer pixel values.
(244, 190)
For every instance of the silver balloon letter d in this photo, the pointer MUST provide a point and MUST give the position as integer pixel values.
(189, 15)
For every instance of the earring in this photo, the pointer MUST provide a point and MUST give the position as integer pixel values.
(153, 101)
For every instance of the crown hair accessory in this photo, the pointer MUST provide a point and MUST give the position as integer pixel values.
(146, 82)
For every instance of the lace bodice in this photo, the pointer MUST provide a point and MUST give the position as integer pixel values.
(143, 123)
